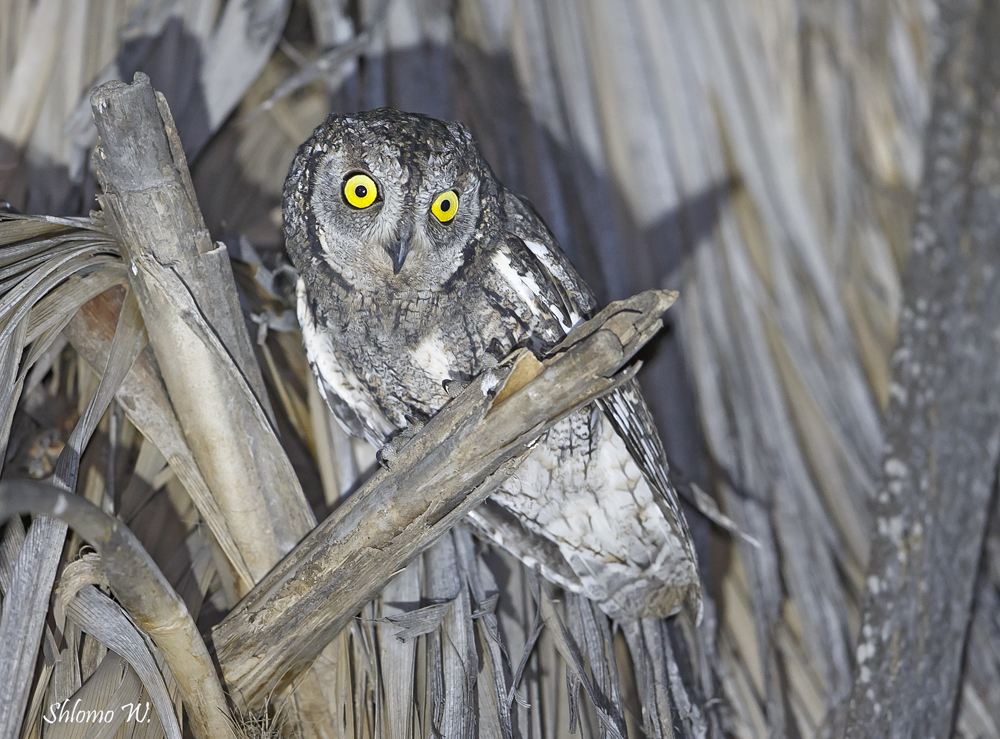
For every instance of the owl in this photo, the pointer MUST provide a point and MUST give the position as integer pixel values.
(418, 269)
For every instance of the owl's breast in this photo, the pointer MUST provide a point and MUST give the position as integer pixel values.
(394, 354)
(400, 354)
(453, 335)
(446, 340)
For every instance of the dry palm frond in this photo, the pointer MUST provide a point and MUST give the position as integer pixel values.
(148, 598)
(262, 725)
(33, 307)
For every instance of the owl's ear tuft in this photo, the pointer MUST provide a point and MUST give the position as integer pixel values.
(461, 132)
(336, 119)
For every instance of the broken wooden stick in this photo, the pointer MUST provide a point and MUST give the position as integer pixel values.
(190, 306)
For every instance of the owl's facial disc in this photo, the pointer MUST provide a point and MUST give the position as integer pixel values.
(395, 202)
(400, 219)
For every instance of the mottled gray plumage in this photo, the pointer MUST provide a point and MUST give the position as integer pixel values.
(395, 304)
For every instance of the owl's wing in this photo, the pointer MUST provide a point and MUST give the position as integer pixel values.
(630, 416)
(625, 407)
(351, 404)
(525, 223)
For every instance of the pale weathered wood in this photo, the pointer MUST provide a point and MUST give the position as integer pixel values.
(148, 407)
(462, 455)
(943, 424)
(189, 302)
(185, 287)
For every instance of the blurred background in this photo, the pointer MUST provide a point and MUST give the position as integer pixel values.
(760, 156)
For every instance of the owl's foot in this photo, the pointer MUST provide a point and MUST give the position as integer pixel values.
(455, 386)
(388, 454)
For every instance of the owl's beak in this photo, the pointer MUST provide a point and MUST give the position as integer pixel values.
(398, 250)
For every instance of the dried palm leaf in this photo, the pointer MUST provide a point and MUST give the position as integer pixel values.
(105, 694)
(23, 618)
(150, 600)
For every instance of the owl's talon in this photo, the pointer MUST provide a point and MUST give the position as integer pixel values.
(454, 388)
(389, 453)
(489, 382)
(410, 431)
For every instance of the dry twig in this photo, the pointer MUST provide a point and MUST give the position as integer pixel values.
(189, 303)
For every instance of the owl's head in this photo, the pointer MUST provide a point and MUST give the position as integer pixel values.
(387, 199)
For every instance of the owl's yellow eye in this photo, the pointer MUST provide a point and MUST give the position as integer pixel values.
(445, 206)
(360, 190)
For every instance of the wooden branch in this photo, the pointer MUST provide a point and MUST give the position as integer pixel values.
(185, 288)
(461, 456)
(142, 590)
(943, 422)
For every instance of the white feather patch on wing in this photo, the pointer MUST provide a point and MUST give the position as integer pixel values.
(333, 376)
(524, 285)
(543, 255)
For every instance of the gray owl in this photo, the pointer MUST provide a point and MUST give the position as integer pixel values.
(419, 269)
